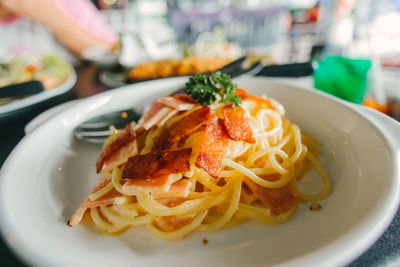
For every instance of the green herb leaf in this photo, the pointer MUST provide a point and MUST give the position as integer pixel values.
(217, 86)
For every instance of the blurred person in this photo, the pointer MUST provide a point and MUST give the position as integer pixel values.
(50, 26)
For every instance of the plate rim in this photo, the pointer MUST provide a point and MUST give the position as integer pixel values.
(372, 237)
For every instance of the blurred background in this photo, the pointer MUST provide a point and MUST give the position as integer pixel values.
(289, 30)
(356, 42)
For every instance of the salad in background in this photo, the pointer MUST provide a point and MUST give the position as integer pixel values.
(50, 70)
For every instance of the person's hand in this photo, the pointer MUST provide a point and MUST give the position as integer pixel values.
(50, 13)
(43, 11)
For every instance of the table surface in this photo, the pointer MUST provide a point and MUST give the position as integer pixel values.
(386, 251)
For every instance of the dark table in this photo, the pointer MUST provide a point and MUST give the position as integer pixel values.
(386, 251)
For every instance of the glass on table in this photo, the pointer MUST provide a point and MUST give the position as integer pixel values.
(390, 86)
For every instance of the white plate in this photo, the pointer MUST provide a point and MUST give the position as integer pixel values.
(9, 108)
(48, 114)
(48, 174)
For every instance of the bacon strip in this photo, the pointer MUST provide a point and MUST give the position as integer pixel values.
(172, 223)
(279, 200)
(260, 101)
(162, 108)
(238, 124)
(167, 117)
(155, 185)
(177, 189)
(175, 103)
(106, 199)
(185, 98)
(157, 163)
(241, 92)
(120, 156)
(184, 127)
(154, 114)
(111, 152)
(212, 147)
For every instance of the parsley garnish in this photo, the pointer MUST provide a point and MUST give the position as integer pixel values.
(216, 86)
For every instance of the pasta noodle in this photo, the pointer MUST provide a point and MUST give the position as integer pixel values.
(205, 179)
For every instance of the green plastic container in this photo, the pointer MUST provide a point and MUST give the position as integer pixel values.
(342, 77)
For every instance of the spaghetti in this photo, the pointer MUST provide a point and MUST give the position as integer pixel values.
(186, 168)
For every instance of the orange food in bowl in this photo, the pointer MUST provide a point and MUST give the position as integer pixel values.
(173, 67)
(372, 103)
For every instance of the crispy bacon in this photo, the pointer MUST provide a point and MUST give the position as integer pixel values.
(157, 111)
(279, 200)
(212, 147)
(260, 101)
(157, 163)
(238, 124)
(175, 103)
(184, 127)
(167, 117)
(185, 98)
(155, 185)
(241, 92)
(177, 189)
(172, 223)
(120, 157)
(163, 108)
(106, 199)
(113, 149)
